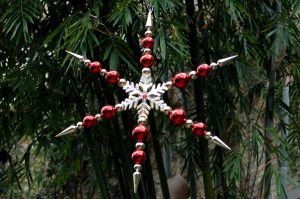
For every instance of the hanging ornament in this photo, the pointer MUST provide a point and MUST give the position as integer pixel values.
(144, 96)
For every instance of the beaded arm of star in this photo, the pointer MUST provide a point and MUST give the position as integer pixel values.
(144, 96)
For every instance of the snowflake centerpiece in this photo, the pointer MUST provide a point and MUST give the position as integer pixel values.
(144, 96)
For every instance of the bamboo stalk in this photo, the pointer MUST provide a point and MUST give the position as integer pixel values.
(198, 84)
(158, 156)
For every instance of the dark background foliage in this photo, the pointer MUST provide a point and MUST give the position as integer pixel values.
(43, 90)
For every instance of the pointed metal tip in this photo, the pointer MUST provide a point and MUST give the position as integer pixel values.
(219, 142)
(69, 130)
(136, 180)
(80, 57)
(223, 61)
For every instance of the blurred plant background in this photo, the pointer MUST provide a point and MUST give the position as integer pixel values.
(43, 90)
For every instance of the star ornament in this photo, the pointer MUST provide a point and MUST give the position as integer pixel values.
(144, 96)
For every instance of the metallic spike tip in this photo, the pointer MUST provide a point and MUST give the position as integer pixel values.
(136, 180)
(219, 142)
(80, 57)
(149, 17)
(223, 61)
(69, 130)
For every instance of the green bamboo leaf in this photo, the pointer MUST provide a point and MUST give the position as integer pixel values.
(114, 60)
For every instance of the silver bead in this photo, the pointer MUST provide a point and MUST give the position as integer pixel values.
(147, 50)
(167, 110)
(137, 167)
(98, 117)
(86, 62)
(79, 125)
(119, 107)
(142, 120)
(208, 135)
(148, 33)
(168, 84)
(146, 72)
(103, 72)
(140, 145)
(188, 123)
(214, 65)
(122, 82)
(193, 75)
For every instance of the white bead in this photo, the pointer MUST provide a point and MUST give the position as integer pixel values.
(167, 110)
(168, 84)
(208, 135)
(137, 167)
(148, 33)
(122, 82)
(147, 50)
(98, 117)
(103, 72)
(140, 145)
(79, 125)
(193, 75)
(146, 71)
(119, 107)
(87, 62)
(214, 66)
(142, 120)
(188, 123)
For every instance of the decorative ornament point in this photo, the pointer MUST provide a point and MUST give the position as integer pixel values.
(71, 129)
(80, 57)
(136, 180)
(222, 62)
(216, 140)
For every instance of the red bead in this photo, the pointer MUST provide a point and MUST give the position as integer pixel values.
(178, 116)
(203, 70)
(95, 67)
(140, 132)
(108, 112)
(148, 42)
(147, 60)
(138, 156)
(199, 129)
(89, 121)
(180, 80)
(112, 77)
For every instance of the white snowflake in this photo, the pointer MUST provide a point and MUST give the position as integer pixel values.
(145, 96)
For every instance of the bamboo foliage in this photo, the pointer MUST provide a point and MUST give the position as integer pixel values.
(43, 90)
